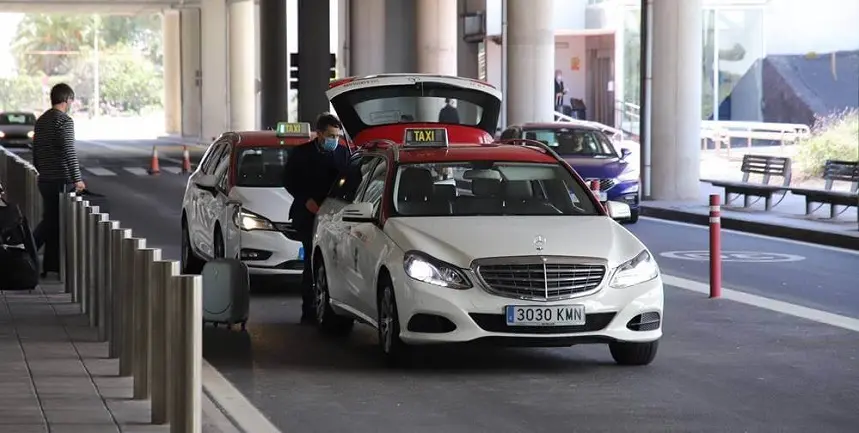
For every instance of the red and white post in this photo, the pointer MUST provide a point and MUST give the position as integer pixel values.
(715, 246)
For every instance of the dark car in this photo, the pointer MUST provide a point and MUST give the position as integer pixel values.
(592, 154)
(16, 129)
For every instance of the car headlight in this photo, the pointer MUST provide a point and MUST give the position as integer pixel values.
(628, 175)
(2, 134)
(426, 269)
(640, 269)
(250, 221)
(31, 134)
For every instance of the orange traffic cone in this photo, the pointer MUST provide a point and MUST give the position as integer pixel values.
(186, 160)
(153, 166)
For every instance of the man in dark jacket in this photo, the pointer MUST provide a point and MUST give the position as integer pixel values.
(448, 113)
(311, 170)
(56, 161)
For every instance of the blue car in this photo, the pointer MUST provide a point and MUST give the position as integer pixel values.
(592, 154)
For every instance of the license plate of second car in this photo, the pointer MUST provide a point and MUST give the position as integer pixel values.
(540, 315)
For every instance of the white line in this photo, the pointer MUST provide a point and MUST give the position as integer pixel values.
(754, 235)
(136, 171)
(235, 405)
(131, 149)
(172, 169)
(99, 171)
(812, 314)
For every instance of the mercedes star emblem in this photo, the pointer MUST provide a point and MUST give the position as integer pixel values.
(539, 242)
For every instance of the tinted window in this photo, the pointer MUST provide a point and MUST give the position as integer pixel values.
(574, 142)
(486, 188)
(17, 119)
(261, 167)
(212, 157)
(405, 109)
(376, 186)
(359, 171)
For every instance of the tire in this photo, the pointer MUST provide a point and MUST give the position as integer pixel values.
(190, 263)
(218, 244)
(394, 351)
(634, 353)
(633, 218)
(329, 322)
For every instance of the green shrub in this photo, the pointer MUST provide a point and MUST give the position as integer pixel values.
(833, 137)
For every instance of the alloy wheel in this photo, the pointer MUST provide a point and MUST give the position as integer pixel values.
(386, 320)
(321, 293)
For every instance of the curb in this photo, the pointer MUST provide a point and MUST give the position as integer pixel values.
(777, 231)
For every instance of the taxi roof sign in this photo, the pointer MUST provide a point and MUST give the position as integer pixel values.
(287, 130)
(425, 137)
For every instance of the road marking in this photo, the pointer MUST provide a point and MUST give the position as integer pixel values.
(753, 235)
(132, 149)
(233, 403)
(138, 171)
(794, 310)
(172, 169)
(99, 171)
(734, 256)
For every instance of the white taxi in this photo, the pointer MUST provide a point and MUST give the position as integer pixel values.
(235, 204)
(518, 251)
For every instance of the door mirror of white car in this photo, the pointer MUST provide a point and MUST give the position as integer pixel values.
(618, 210)
(624, 153)
(206, 182)
(358, 213)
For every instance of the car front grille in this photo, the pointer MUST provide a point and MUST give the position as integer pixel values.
(287, 229)
(541, 278)
(605, 184)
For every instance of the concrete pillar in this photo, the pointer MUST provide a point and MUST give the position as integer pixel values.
(467, 54)
(530, 61)
(172, 99)
(367, 33)
(675, 110)
(274, 73)
(436, 26)
(242, 61)
(400, 37)
(214, 71)
(191, 73)
(314, 45)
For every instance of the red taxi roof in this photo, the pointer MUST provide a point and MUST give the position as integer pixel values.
(268, 138)
(485, 152)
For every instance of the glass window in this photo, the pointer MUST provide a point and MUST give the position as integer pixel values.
(17, 119)
(417, 109)
(261, 167)
(222, 167)
(212, 157)
(489, 188)
(376, 186)
(358, 172)
(574, 142)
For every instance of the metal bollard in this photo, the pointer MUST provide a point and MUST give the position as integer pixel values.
(186, 325)
(118, 279)
(80, 271)
(64, 203)
(86, 290)
(95, 264)
(165, 271)
(144, 276)
(105, 274)
(72, 270)
(125, 290)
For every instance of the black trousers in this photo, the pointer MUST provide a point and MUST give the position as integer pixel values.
(47, 233)
(308, 292)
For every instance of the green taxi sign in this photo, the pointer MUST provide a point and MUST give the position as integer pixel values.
(425, 137)
(287, 129)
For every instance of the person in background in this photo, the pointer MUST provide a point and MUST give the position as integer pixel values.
(55, 159)
(448, 113)
(311, 170)
(560, 91)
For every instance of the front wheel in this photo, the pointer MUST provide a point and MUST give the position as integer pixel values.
(394, 351)
(633, 217)
(190, 263)
(633, 353)
(328, 321)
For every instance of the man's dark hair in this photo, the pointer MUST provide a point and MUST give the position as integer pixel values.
(60, 93)
(326, 120)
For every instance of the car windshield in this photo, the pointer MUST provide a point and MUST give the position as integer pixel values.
(487, 189)
(261, 167)
(574, 141)
(17, 119)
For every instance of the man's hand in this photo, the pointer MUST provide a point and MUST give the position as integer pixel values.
(311, 205)
(80, 186)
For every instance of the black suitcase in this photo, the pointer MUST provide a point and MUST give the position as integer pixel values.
(226, 292)
(19, 262)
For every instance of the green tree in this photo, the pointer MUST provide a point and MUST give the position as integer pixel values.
(129, 80)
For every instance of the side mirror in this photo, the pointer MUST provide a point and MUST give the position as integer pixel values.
(358, 213)
(618, 211)
(206, 182)
(624, 153)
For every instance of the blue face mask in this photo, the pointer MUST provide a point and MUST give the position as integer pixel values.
(329, 144)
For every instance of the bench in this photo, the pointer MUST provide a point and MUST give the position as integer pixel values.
(765, 166)
(833, 171)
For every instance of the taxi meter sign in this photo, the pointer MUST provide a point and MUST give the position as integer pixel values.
(286, 129)
(425, 137)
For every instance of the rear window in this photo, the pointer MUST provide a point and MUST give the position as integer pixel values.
(574, 142)
(17, 119)
(261, 167)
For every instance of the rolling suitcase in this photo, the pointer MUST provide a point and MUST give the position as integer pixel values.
(226, 292)
(19, 262)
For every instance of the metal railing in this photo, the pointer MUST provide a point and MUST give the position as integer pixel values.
(149, 314)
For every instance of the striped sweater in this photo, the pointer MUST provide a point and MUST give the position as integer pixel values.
(54, 153)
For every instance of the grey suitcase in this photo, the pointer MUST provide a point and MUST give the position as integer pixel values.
(226, 292)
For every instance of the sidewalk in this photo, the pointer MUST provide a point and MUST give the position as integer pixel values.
(55, 376)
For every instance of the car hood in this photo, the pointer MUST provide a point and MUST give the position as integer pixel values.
(460, 240)
(17, 129)
(601, 168)
(271, 203)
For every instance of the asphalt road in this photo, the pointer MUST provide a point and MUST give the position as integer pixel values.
(722, 366)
